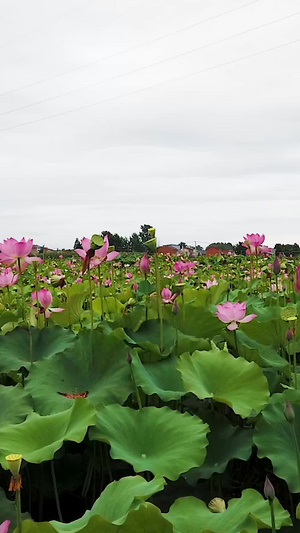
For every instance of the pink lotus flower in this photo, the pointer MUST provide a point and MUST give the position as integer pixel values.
(44, 297)
(8, 279)
(167, 296)
(145, 265)
(253, 242)
(208, 284)
(108, 283)
(92, 258)
(79, 280)
(13, 251)
(233, 314)
(5, 526)
(135, 286)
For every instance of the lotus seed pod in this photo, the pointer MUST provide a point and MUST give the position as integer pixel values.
(14, 461)
(217, 505)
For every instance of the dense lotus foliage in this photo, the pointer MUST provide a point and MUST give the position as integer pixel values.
(149, 393)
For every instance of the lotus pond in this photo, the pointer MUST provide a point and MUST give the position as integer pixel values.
(150, 394)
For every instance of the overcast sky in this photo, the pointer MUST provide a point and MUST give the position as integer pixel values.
(180, 114)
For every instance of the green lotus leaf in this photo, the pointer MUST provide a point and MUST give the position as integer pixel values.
(39, 437)
(20, 347)
(15, 403)
(253, 350)
(188, 343)
(161, 378)
(111, 305)
(160, 440)
(198, 321)
(247, 514)
(146, 519)
(28, 526)
(273, 438)
(148, 338)
(95, 365)
(115, 502)
(226, 442)
(234, 381)
(72, 310)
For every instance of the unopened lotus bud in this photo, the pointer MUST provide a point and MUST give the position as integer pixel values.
(129, 358)
(152, 232)
(289, 413)
(175, 308)
(276, 266)
(289, 335)
(145, 265)
(269, 490)
(14, 461)
(217, 505)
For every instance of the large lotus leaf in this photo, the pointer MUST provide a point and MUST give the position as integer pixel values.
(253, 350)
(271, 332)
(15, 403)
(206, 296)
(96, 365)
(28, 526)
(20, 347)
(234, 381)
(188, 343)
(160, 440)
(146, 519)
(148, 338)
(243, 515)
(72, 310)
(111, 305)
(161, 378)
(226, 442)
(39, 437)
(115, 502)
(273, 438)
(197, 320)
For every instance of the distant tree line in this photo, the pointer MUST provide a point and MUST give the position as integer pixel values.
(134, 243)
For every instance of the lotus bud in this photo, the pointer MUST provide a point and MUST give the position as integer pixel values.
(276, 266)
(129, 358)
(269, 490)
(14, 461)
(217, 505)
(145, 265)
(289, 335)
(289, 413)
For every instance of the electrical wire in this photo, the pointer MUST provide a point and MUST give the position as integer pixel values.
(131, 49)
(155, 85)
(150, 65)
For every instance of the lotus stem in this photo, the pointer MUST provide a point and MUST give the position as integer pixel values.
(21, 288)
(159, 305)
(56, 491)
(19, 514)
(91, 298)
(271, 504)
(101, 293)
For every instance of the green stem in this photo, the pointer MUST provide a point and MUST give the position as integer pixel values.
(136, 388)
(55, 491)
(19, 515)
(21, 288)
(159, 304)
(91, 298)
(101, 293)
(271, 504)
(295, 360)
(296, 447)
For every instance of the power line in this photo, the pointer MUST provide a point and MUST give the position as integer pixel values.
(131, 49)
(134, 71)
(155, 85)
